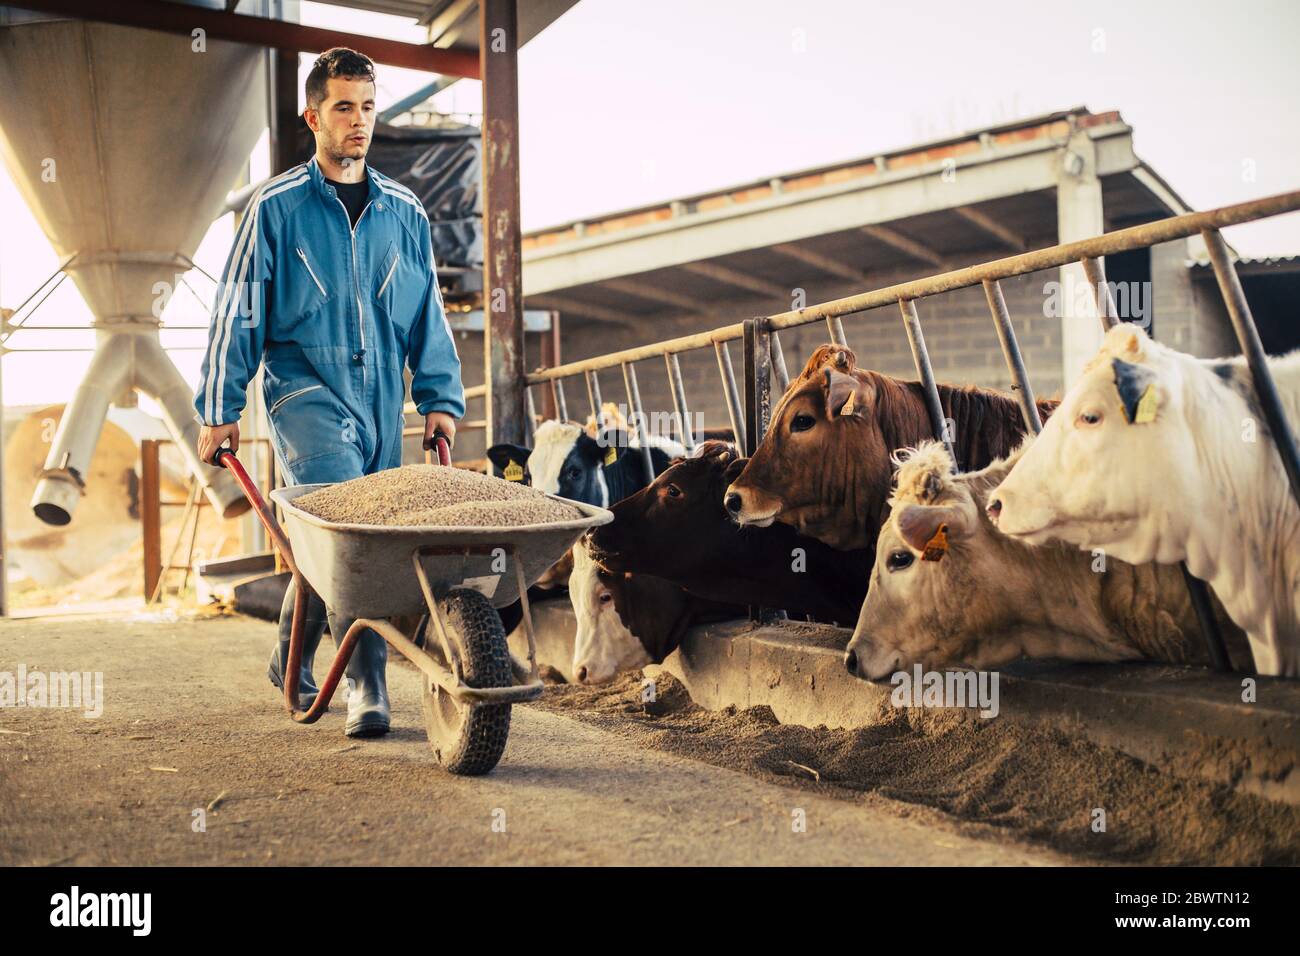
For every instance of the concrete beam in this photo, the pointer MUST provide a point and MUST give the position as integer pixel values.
(654, 293)
(741, 280)
(825, 263)
(800, 214)
(983, 221)
(905, 245)
(1079, 215)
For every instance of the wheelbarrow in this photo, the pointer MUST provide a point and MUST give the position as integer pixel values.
(452, 578)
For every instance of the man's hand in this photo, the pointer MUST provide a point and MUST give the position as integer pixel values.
(212, 437)
(439, 422)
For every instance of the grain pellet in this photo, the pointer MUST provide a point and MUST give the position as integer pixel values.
(424, 495)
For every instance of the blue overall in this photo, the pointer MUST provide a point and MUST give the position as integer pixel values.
(333, 312)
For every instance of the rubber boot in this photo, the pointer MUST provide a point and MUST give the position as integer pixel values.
(313, 629)
(368, 710)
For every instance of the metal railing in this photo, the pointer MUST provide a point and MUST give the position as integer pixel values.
(749, 405)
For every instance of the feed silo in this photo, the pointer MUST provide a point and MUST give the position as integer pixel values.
(124, 143)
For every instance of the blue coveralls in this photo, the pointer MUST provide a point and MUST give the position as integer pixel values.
(332, 312)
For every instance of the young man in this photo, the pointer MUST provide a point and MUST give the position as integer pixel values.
(331, 285)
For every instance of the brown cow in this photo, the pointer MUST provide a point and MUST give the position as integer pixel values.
(823, 466)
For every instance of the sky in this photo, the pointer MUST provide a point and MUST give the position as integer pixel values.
(625, 102)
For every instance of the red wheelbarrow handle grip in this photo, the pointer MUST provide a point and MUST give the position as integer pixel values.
(224, 457)
(440, 442)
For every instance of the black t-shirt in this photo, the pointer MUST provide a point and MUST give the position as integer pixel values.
(354, 196)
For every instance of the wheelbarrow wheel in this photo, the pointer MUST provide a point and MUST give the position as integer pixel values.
(468, 739)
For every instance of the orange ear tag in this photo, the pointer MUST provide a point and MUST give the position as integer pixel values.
(937, 546)
(847, 407)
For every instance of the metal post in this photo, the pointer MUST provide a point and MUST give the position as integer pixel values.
(729, 389)
(530, 423)
(150, 514)
(924, 371)
(1011, 352)
(638, 416)
(593, 396)
(684, 430)
(561, 405)
(1096, 273)
(756, 368)
(503, 331)
(778, 361)
(1243, 323)
(836, 329)
(1197, 590)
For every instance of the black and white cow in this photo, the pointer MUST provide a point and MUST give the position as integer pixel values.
(568, 462)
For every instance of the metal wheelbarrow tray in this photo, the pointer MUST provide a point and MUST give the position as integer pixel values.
(455, 577)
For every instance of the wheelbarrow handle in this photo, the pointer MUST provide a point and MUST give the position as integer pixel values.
(442, 443)
(224, 457)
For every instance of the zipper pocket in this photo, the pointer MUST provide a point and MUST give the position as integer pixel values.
(294, 394)
(303, 256)
(388, 278)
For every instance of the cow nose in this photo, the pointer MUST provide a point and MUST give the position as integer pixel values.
(582, 675)
(733, 502)
(994, 509)
(851, 662)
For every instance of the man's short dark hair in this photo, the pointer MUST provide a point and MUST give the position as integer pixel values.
(340, 61)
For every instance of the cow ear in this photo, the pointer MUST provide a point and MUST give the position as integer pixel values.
(930, 530)
(1139, 391)
(509, 458)
(611, 445)
(842, 394)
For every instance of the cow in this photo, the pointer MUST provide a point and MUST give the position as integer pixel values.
(1157, 455)
(824, 465)
(626, 621)
(948, 591)
(566, 461)
(677, 529)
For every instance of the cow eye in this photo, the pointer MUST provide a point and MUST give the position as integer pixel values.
(574, 473)
(674, 491)
(802, 423)
(1089, 419)
(898, 560)
(606, 597)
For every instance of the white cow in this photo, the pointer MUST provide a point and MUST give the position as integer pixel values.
(948, 591)
(603, 646)
(1155, 455)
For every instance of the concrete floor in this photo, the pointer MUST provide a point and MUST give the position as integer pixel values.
(190, 722)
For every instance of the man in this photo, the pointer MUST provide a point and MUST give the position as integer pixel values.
(331, 285)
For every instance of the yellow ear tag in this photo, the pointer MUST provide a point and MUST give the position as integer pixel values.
(514, 471)
(1147, 404)
(847, 407)
(611, 455)
(937, 546)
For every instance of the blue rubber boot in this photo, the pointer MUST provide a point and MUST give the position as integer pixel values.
(368, 707)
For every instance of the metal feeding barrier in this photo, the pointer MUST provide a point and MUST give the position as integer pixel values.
(749, 405)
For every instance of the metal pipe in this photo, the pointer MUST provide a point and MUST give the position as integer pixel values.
(778, 361)
(1121, 240)
(561, 404)
(728, 374)
(1243, 323)
(593, 396)
(530, 417)
(925, 372)
(684, 431)
(1096, 273)
(836, 329)
(638, 417)
(756, 366)
(1011, 352)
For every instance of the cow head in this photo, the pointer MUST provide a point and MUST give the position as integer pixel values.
(566, 461)
(826, 451)
(604, 646)
(652, 529)
(940, 594)
(1110, 461)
